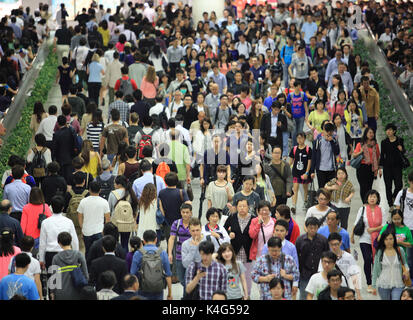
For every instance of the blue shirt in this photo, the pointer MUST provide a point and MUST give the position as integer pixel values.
(18, 193)
(137, 259)
(221, 80)
(344, 234)
(258, 73)
(297, 104)
(268, 102)
(94, 72)
(309, 30)
(287, 54)
(287, 248)
(141, 182)
(18, 284)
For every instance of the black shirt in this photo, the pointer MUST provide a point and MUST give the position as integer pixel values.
(313, 86)
(301, 158)
(63, 36)
(8, 222)
(53, 185)
(189, 115)
(142, 109)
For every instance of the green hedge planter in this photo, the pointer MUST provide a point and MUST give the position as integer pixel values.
(19, 139)
(388, 114)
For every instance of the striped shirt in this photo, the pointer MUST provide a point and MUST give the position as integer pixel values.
(215, 279)
(93, 133)
(178, 230)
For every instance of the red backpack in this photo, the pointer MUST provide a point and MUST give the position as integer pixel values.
(162, 170)
(146, 140)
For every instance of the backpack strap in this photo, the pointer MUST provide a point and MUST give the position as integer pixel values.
(403, 199)
(294, 150)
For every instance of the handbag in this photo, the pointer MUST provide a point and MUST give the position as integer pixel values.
(311, 196)
(406, 280)
(78, 278)
(356, 162)
(359, 227)
(41, 218)
(190, 192)
(160, 218)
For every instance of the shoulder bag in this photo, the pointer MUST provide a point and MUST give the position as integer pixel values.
(359, 227)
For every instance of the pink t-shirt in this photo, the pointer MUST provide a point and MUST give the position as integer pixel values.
(268, 232)
(149, 89)
(5, 261)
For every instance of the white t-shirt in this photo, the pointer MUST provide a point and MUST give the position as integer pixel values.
(365, 237)
(408, 208)
(317, 284)
(314, 212)
(34, 266)
(93, 209)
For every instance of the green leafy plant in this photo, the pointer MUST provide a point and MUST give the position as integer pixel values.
(388, 113)
(18, 142)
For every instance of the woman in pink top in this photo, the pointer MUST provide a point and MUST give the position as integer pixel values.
(120, 45)
(149, 84)
(31, 212)
(7, 250)
(261, 229)
(223, 64)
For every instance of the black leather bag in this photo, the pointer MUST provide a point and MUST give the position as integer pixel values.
(359, 228)
(194, 294)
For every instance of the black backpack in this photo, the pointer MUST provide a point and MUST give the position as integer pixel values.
(38, 163)
(106, 187)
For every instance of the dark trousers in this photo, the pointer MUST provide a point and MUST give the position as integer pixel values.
(89, 241)
(173, 66)
(391, 174)
(124, 240)
(344, 213)
(324, 176)
(367, 253)
(372, 123)
(66, 171)
(93, 91)
(365, 177)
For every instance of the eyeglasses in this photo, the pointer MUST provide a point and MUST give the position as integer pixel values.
(327, 261)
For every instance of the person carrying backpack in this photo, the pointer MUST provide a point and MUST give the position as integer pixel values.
(106, 180)
(150, 264)
(125, 84)
(299, 108)
(38, 158)
(73, 198)
(144, 136)
(123, 205)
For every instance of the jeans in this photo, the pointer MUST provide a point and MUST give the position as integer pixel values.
(89, 241)
(151, 295)
(302, 285)
(180, 272)
(286, 137)
(367, 252)
(299, 124)
(390, 294)
(285, 75)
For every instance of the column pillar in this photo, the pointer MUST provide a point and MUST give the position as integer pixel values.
(200, 6)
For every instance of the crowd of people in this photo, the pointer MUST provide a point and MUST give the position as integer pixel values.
(256, 106)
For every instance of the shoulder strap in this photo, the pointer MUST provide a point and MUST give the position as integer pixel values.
(278, 173)
(181, 195)
(403, 199)
(294, 150)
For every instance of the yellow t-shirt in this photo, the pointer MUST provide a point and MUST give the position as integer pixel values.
(317, 119)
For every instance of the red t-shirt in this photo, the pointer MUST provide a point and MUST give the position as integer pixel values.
(117, 84)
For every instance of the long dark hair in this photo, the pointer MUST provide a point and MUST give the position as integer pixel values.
(364, 136)
(391, 226)
(6, 242)
(97, 117)
(124, 182)
(383, 237)
(38, 110)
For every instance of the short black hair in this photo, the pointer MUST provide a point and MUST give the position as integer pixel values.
(94, 186)
(111, 229)
(107, 279)
(145, 165)
(115, 114)
(27, 243)
(341, 293)
(149, 236)
(333, 273)
(312, 221)
(206, 247)
(171, 179)
(109, 243)
(22, 260)
(274, 242)
(263, 204)
(64, 238)
(329, 255)
(212, 211)
(334, 236)
(58, 203)
(282, 223)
